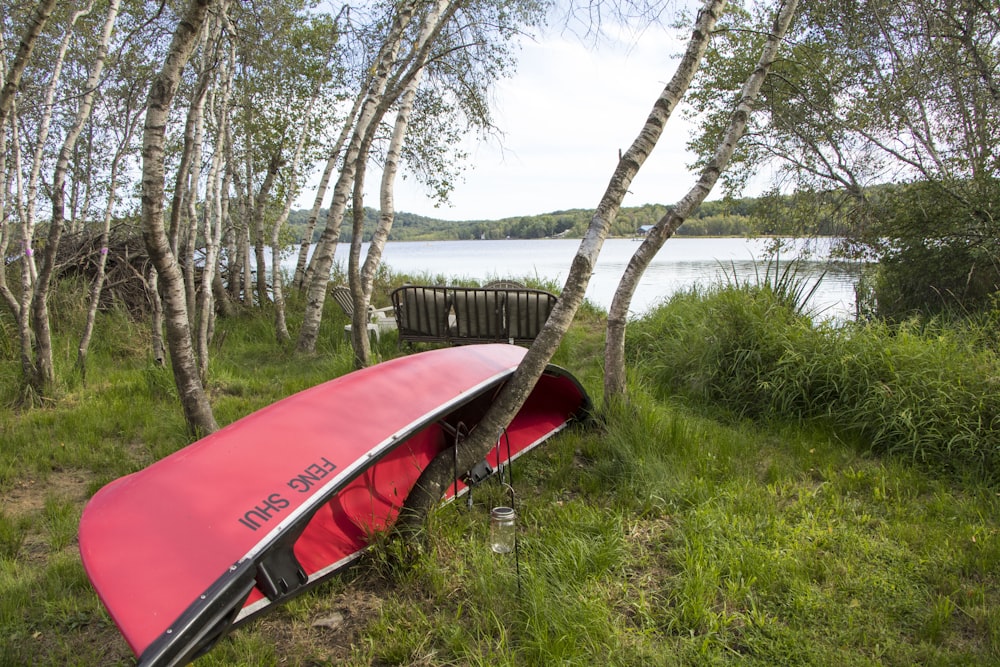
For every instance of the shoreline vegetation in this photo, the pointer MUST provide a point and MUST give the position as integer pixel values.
(718, 218)
(775, 492)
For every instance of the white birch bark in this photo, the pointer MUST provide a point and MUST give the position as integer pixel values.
(94, 297)
(361, 281)
(442, 11)
(223, 302)
(5, 196)
(186, 198)
(259, 242)
(28, 265)
(303, 267)
(614, 349)
(277, 279)
(197, 410)
(36, 353)
(323, 256)
(95, 289)
(212, 210)
(431, 485)
(43, 11)
(157, 344)
(45, 368)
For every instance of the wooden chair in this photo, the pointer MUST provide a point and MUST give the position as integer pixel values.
(379, 319)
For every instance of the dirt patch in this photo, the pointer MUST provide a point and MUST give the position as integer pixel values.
(326, 637)
(28, 496)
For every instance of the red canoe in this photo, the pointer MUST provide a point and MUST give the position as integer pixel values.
(273, 503)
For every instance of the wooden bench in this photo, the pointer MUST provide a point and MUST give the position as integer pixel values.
(459, 315)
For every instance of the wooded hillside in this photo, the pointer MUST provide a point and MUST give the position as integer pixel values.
(714, 218)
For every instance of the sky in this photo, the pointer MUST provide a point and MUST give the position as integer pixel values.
(564, 117)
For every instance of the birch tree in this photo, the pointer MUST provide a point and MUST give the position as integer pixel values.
(213, 215)
(432, 483)
(614, 346)
(12, 76)
(373, 94)
(36, 277)
(36, 362)
(889, 111)
(431, 25)
(302, 274)
(126, 105)
(194, 401)
(277, 279)
(450, 57)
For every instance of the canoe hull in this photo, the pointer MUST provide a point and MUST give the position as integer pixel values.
(272, 504)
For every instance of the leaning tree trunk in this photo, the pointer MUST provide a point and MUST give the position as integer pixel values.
(195, 403)
(435, 478)
(614, 345)
(405, 87)
(362, 281)
(361, 287)
(11, 80)
(36, 346)
(43, 11)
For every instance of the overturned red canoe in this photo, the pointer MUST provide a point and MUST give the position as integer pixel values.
(273, 503)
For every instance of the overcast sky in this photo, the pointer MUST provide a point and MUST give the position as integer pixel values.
(565, 115)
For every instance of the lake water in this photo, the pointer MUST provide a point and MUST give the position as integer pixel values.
(681, 263)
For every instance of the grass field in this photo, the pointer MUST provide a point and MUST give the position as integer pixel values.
(681, 529)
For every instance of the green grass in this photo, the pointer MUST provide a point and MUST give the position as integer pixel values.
(929, 393)
(716, 518)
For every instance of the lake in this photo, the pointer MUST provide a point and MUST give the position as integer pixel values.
(681, 263)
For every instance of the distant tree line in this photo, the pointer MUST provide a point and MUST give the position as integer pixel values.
(727, 217)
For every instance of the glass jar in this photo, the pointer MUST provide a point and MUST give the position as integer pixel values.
(502, 529)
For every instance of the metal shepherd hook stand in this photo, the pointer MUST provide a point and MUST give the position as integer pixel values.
(503, 519)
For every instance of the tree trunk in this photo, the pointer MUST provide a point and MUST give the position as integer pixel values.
(223, 302)
(430, 486)
(212, 209)
(277, 279)
(43, 11)
(44, 367)
(32, 311)
(361, 287)
(302, 272)
(259, 242)
(323, 256)
(157, 346)
(195, 403)
(186, 197)
(614, 346)
(95, 289)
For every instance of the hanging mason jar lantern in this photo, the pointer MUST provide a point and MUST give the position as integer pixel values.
(502, 529)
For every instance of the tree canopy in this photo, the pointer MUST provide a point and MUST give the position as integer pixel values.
(886, 115)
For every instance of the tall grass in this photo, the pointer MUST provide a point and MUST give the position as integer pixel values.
(931, 394)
